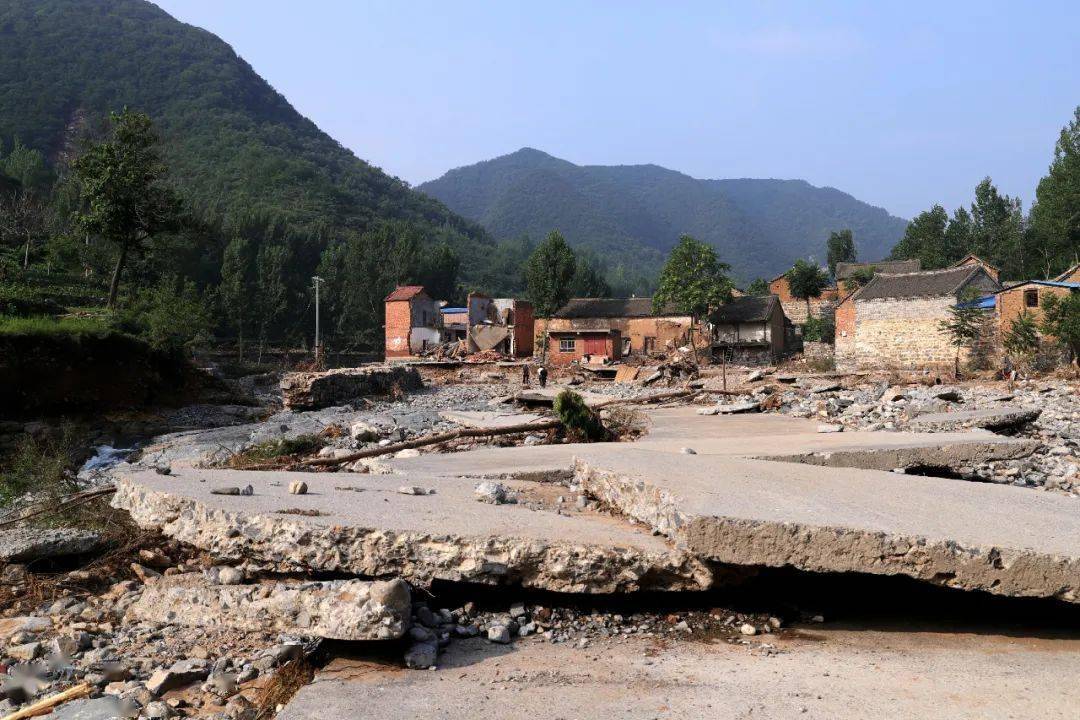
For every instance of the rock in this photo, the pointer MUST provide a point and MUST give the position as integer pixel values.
(499, 634)
(830, 428)
(688, 451)
(755, 376)
(247, 490)
(421, 655)
(363, 432)
(181, 673)
(157, 711)
(23, 624)
(240, 708)
(24, 545)
(314, 390)
(517, 610)
(739, 407)
(492, 492)
(747, 629)
(25, 652)
(227, 575)
(824, 388)
(708, 411)
(225, 491)
(948, 394)
(298, 487)
(407, 453)
(414, 490)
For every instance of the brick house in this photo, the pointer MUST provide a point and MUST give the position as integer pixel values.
(750, 329)
(567, 346)
(454, 323)
(1030, 297)
(502, 324)
(639, 330)
(893, 321)
(796, 308)
(413, 322)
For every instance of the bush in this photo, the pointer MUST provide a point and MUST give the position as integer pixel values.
(42, 468)
(819, 329)
(581, 422)
(271, 450)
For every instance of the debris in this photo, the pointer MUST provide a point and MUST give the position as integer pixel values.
(298, 487)
(43, 707)
(830, 428)
(313, 390)
(739, 407)
(225, 490)
(825, 388)
(181, 673)
(415, 490)
(421, 655)
(28, 544)
(492, 492)
(499, 634)
(747, 629)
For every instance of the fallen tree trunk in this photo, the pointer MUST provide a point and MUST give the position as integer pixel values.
(431, 440)
(646, 398)
(45, 706)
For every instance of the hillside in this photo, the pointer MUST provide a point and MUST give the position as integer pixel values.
(232, 142)
(759, 226)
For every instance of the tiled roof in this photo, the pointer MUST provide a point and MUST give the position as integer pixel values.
(610, 308)
(405, 292)
(752, 308)
(844, 270)
(928, 283)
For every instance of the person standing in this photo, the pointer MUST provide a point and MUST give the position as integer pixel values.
(525, 375)
(541, 374)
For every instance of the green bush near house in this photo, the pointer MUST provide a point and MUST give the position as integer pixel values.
(581, 422)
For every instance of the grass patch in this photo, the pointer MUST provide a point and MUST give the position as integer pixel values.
(276, 451)
(45, 326)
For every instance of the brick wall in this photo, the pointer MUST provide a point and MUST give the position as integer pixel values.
(1011, 304)
(398, 324)
(903, 334)
(795, 309)
(523, 329)
(844, 342)
(612, 344)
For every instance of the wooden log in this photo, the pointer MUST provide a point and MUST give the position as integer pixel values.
(42, 707)
(431, 440)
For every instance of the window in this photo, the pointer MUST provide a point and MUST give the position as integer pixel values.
(567, 345)
(1031, 298)
(650, 344)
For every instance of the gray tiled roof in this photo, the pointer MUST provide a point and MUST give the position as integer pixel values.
(928, 283)
(845, 269)
(752, 308)
(610, 308)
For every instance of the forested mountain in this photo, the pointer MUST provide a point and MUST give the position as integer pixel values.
(633, 214)
(232, 143)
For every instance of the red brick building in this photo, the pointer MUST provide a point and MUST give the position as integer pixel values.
(566, 346)
(412, 322)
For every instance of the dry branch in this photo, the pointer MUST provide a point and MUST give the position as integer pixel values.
(41, 707)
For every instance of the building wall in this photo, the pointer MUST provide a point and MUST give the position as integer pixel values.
(795, 309)
(426, 318)
(612, 346)
(455, 318)
(523, 329)
(1010, 303)
(776, 334)
(902, 334)
(398, 326)
(844, 341)
(667, 332)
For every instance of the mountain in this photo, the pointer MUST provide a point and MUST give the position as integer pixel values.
(233, 144)
(633, 214)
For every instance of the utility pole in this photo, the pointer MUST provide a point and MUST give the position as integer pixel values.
(318, 347)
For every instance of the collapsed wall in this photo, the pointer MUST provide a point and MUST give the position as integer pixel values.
(314, 390)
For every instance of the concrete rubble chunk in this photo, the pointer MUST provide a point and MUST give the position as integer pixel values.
(448, 536)
(489, 420)
(181, 673)
(315, 390)
(335, 609)
(991, 419)
(27, 544)
(999, 539)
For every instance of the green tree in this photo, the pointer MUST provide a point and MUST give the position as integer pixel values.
(958, 242)
(1055, 216)
(271, 291)
(27, 166)
(549, 273)
(125, 199)
(693, 281)
(924, 239)
(588, 281)
(175, 314)
(859, 278)
(964, 325)
(760, 287)
(1022, 337)
(841, 249)
(1061, 319)
(997, 229)
(806, 280)
(237, 289)
(438, 271)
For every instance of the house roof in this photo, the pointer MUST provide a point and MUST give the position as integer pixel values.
(454, 310)
(926, 283)
(844, 270)
(1049, 283)
(751, 308)
(969, 257)
(610, 308)
(1071, 271)
(405, 292)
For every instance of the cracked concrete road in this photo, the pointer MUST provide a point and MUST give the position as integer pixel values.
(824, 673)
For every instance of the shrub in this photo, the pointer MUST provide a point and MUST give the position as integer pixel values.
(1022, 337)
(281, 449)
(819, 329)
(581, 422)
(41, 468)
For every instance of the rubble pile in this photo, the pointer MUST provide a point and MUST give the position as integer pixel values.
(314, 390)
(1045, 411)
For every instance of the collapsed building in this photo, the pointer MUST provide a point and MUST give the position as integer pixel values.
(501, 324)
(413, 321)
(613, 328)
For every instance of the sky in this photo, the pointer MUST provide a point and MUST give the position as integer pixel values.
(901, 104)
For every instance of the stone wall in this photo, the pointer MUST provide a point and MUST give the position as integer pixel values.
(818, 351)
(903, 334)
(314, 390)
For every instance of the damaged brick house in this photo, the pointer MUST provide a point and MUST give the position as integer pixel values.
(750, 329)
(1030, 297)
(796, 308)
(612, 328)
(413, 322)
(893, 322)
(505, 325)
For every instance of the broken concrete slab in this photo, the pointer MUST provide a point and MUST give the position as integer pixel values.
(489, 420)
(27, 544)
(314, 390)
(361, 525)
(335, 609)
(546, 396)
(731, 408)
(989, 418)
(1000, 539)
